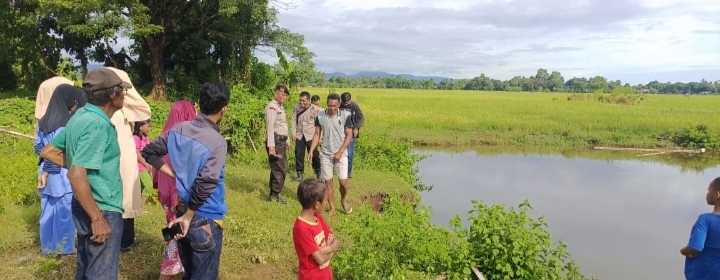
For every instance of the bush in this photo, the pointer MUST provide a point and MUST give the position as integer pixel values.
(506, 243)
(375, 151)
(395, 245)
(620, 95)
(503, 243)
(697, 137)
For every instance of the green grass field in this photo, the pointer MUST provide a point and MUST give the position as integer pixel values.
(439, 117)
(257, 237)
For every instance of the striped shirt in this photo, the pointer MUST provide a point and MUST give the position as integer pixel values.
(90, 140)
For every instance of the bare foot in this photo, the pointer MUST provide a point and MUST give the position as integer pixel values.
(331, 212)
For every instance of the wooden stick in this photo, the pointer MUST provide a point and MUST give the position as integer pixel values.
(16, 133)
(477, 273)
(251, 141)
(649, 150)
(650, 154)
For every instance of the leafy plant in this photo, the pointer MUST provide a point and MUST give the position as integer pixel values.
(376, 151)
(507, 243)
(399, 242)
(697, 137)
(289, 74)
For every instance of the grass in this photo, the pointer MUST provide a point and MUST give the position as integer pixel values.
(527, 119)
(257, 237)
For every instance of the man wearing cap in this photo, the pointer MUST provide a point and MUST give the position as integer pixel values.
(303, 130)
(358, 120)
(88, 147)
(277, 141)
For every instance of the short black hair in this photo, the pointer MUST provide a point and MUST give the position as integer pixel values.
(101, 97)
(315, 98)
(333, 96)
(715, 184)
(311, 191)
(283, 87)
(345, 97)
(305, 94)
(213, 97)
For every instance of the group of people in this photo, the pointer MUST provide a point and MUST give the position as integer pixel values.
(97, 167)
(327, 135)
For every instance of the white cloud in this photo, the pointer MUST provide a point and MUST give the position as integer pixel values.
(634, 40)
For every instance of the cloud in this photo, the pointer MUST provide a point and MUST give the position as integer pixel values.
(464, 38)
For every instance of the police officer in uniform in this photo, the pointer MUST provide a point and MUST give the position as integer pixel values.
(277, 141)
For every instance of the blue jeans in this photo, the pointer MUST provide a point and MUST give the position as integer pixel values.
(200, 249)
(351, 153)
(95, 260)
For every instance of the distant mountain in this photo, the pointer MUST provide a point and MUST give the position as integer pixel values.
(437, 79)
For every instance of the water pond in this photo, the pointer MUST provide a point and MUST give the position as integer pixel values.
(624, 215)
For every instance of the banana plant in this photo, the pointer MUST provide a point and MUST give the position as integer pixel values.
(289, 74)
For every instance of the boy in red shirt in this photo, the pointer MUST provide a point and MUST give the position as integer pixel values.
(314, 242)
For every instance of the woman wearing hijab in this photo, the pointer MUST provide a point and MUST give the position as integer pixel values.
(57, 230)
(45, 92)
(181, 111)
(134, 109)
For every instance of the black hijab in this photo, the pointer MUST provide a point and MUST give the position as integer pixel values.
(58, 114)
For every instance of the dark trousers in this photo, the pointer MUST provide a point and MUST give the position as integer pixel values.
(128, 233)
(278, 165)
(302, 145)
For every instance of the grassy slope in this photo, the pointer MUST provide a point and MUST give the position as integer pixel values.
(527, 119)
(254, 228)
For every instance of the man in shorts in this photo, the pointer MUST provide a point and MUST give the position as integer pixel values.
(335, 127)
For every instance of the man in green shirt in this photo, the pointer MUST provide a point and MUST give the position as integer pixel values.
(88, 147)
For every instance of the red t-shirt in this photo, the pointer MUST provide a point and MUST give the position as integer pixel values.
(308, 237)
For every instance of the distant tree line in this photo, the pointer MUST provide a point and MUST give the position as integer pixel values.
(542, 81)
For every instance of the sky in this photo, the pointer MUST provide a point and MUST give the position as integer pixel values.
(635, 41)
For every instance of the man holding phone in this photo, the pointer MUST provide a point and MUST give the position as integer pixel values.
(192, 146)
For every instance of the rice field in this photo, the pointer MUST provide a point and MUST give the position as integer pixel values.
(440, 117)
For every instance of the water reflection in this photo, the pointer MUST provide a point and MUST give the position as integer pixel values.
(623, 217)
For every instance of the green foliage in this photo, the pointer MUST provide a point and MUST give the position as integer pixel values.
(245, 120)
(397, 243)
(183, 86)
(288, 70)
(503, 243)
(507, 243)
(19, 171)
(9, 80)
(697, 137)
(66, 69)
(262, 78)
(376, 151)
(620, 96)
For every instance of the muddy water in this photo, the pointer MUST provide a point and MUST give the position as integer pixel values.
(624, 216)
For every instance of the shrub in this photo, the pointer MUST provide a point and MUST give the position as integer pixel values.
(395, 244)
(697, 137)
(375, 151)
(506, 243)
(502, 242)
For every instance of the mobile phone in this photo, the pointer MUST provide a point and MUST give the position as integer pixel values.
(169, 233)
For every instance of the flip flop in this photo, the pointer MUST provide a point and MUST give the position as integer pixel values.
(348, 211)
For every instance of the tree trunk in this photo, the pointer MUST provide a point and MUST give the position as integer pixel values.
(26, 73)
(157, 49)
(83, 64)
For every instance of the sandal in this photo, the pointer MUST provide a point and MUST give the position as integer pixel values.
(348, 211)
